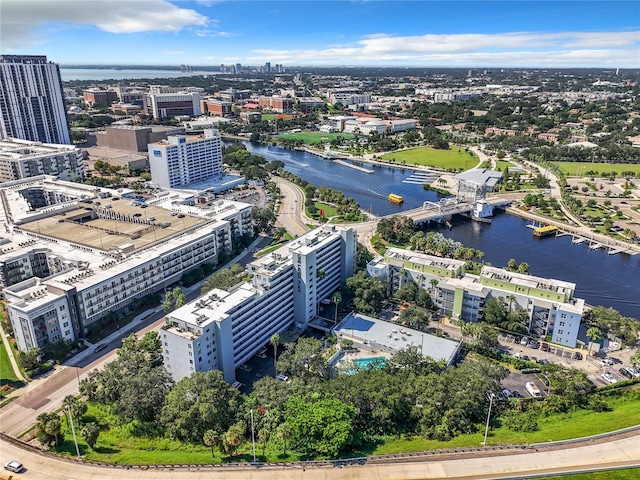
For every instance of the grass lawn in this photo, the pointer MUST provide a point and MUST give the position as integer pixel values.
(595, 212)
(502, 164)
(572, 168)
(625, 413)
(455, 158)
(118, 445)
(623, 474)
(7, 375)
(329, 210)
(315, 137)
(269, 117)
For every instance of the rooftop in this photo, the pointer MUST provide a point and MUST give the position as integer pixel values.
(530, 281)
(392, 337)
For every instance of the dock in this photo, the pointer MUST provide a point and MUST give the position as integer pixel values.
(355, 167)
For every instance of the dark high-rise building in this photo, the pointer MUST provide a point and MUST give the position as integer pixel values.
(31, 100)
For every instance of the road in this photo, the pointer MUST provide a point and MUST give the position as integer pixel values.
(619, 451)
(291, 215)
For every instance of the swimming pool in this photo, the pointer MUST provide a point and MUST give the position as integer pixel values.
(362, 364)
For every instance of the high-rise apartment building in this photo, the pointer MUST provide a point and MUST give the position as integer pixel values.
(223, 329)
(167, 105)
(32, 100)
(181, 160)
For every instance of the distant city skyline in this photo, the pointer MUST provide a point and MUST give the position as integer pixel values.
(385, 33)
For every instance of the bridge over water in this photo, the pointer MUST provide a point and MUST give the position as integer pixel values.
(436, 211)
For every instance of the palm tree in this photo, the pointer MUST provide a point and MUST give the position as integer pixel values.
(263, 437)
(336, 299)
(48, 426)
(594, 334)
(211, 439)
(90, 433)
(75, 405)
(284, 434)
(234, 438)
(275, 341)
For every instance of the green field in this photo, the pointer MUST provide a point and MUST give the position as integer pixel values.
(270, 117)
(7, 374)
(502, 164)
(314, 137)
(579, 168)
(453, 159)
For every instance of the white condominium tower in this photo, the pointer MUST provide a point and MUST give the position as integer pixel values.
(31, 100)
(181, 160)
(223, 329)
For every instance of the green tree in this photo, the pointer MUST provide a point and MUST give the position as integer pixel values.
(324, 427)
(76, 406)
(90, 432)
(233, 438)
(594, 334)
(284, 434)
(368, 292)
(415, 317)
(211, 439)
(303, 358)
(275, 341)
(263, 438)
(336, 299)
(201, 402)
(48, 428)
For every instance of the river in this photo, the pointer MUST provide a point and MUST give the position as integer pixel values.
(600, 278)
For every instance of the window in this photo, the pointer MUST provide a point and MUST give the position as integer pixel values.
(562, 324)
(560, 332)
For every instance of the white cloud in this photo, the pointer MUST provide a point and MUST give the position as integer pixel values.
(21, 19)
(502, 49)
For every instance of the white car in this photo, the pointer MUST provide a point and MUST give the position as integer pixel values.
(281, 377)
(607, 377)
(13, 466)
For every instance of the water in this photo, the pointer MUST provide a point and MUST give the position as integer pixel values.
(371, 191)
(101, 74)
(363, 364)
(601, 279)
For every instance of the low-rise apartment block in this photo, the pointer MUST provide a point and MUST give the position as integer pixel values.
(223, 329)
(549, 303)
(24, 159)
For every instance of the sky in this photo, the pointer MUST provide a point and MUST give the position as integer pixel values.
(391, 33)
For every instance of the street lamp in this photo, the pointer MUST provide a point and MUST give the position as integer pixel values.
(253, 438)
(486, 430)
(73, 430)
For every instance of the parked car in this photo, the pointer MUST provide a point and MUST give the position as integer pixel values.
(237, 384)
(282, 378)
(262, 353)
(534, 344)
(577, 356)
(245, 368)
(102, 346)
(605, 362)
(524, 340)
(516, 394)
(607, 377)
(543, 361)
(626, 372)
(544, 346)
(14, 466)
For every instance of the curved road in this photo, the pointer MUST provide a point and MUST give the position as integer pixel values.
(618, 452)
